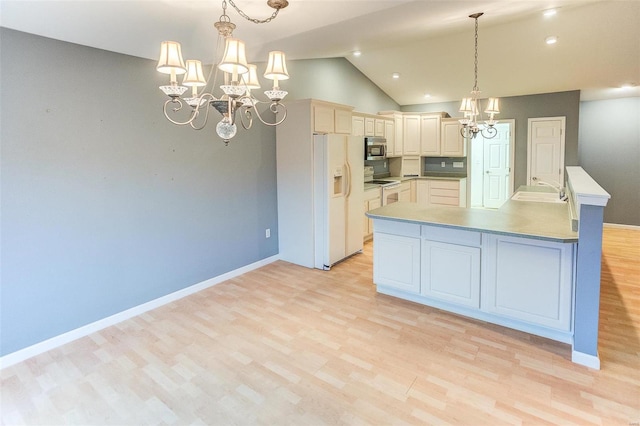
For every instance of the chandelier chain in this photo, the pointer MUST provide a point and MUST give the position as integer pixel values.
(475, 81)
(247, 17)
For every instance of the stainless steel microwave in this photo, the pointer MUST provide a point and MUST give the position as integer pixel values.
(375, 148)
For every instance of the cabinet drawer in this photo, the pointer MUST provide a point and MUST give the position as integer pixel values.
(445, 184)
(397, 228)
(445, 201)
(440, 192)
(451, 235)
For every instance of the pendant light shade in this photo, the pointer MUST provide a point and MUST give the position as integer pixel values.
(493, 106)
(276, 66)
(251, 78)
(234, 60)
(171, 58)
(194, 76)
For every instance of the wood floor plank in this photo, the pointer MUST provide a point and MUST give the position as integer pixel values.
(285, 345)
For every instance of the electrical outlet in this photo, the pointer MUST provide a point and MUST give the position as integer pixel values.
(385, 164)
(443, 164)
(267, 233)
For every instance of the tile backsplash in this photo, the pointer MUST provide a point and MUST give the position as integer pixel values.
(456, 165)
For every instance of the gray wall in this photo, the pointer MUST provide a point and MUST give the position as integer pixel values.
(105, 204)
(609, 150)
(521, 108)
(335, 80)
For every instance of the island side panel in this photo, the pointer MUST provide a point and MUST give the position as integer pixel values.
(587, 298)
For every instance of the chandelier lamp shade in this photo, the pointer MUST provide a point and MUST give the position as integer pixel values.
(238, 78)
(470, 107)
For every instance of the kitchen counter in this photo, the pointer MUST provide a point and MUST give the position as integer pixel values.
(543, 221)
(442, 176)
(521, 266)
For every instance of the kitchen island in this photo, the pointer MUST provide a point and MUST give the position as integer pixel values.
(518, 266)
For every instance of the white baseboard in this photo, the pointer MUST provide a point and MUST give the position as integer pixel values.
(621, 226)
(587, 360)
(54, 342)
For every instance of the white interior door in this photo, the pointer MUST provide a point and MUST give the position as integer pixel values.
(496, 161)
(545, 150)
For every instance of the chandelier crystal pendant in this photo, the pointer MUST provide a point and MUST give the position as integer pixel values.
(239, 78)
(470, 107)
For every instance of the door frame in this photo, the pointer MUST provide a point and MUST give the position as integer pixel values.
(563, 131)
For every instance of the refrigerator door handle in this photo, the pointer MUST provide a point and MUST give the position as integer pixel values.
(348, 191)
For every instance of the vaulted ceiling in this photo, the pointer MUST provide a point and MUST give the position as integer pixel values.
(429, 42)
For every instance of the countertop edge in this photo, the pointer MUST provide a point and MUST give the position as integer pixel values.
(476, 229)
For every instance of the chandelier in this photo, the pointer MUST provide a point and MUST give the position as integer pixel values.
(471, 106)
(238, 80)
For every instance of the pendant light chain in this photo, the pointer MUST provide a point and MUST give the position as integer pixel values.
(475, 81)
(247, 17)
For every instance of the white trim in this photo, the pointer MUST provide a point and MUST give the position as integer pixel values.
(621, 226)
(587, 360)
(62, 339)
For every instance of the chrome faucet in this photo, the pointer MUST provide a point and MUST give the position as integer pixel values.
(559, 189)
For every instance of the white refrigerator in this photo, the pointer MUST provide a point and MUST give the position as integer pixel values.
(338, 180)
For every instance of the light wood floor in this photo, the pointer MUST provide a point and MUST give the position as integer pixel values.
(285, 345)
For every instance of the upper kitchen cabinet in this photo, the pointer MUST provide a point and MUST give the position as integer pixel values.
(390, 135)
(379, 127)
(393, 132)
(331, 118)
(411, 133)
(357, 125)
(430, 135)
(452, 144)
(369, 126)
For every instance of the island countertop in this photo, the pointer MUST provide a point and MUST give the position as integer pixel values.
(544, 221)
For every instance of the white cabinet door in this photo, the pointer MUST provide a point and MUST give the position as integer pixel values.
(405, 194)
(430, 135)
(369, 126)
(396, 262)
(390, 135)
(357, 125)
(411, 143)
(451, 272)
(529, 280)
(452, 142)
(379, 127)
(323, 119)
(343, 121)
(422, 193)
(399, 139)
(370, 205)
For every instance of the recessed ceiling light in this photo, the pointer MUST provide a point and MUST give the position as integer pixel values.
(550, 12)
(427, 95)
(396, 75)
(357, 53)
(551, 40)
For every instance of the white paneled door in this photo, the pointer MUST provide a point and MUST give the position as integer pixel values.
(496, 168)
(545, 150)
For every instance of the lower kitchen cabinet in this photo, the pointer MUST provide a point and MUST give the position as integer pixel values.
(518, 282)
(529, 280)
(441, 192)
(372, 200)
(396, 256)
(405, 192)
(451, 272)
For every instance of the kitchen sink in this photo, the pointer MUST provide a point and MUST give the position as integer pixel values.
(538, 197)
